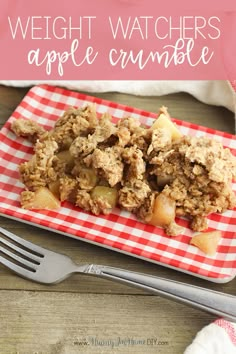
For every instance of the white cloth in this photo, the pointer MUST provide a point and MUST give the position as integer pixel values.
(219, 93)
(217, 338)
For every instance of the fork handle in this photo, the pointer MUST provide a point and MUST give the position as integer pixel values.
(223, 305)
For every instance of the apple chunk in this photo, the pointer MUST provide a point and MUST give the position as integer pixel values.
(43, 198)
(107, 194)
(66, 157)
(207, 242)
(164, 122)
(163, 213)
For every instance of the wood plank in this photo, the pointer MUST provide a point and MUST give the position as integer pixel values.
(10, 97)
(181, 105)
(32, 322)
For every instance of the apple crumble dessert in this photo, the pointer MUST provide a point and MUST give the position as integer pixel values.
(154, 172)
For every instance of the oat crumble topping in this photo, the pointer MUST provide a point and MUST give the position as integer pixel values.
(97, 165)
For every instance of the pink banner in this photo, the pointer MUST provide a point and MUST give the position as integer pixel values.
(117, 40)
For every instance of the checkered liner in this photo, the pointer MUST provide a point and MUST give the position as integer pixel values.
(119, 231)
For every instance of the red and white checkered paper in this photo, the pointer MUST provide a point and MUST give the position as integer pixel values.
(119, 231)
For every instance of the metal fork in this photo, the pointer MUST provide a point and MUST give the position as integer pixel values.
(47, 267)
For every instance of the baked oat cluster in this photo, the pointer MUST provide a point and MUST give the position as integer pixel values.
(155, 173)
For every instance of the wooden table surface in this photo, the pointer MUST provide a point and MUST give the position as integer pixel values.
(88, 315)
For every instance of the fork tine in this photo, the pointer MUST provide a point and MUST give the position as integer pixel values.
(15, 268)
(23, 242)
(20, 250)
(18, 259)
